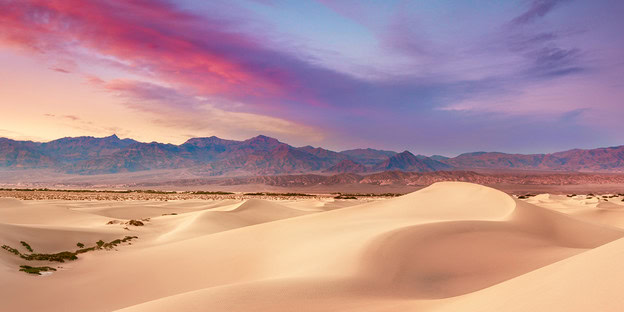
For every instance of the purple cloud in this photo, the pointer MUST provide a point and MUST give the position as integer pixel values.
(538, 9)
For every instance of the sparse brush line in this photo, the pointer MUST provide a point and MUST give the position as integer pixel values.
(103, 191)
(279, 194)
(63, 255)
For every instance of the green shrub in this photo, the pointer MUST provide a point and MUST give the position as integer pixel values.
(66, 255)
(35, 270)
(135, 223)
(279, 194)
(25, 244)
(11, 250)
(57, 257)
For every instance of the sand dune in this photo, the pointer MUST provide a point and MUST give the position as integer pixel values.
(607, 211)
(449, 247)
(590, 281)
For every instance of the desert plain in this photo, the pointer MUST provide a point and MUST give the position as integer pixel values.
(452, 246)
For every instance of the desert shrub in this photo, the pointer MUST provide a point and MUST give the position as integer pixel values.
(345, 197)
(25, 244)
(11, 250)
(129, 238)
(279, 194)
(61, 256)
(135, 223)
(83, 250)
(57, 257)
(155, 192)
(80, 245)
(371, 194)
(112, 244)
(35, 270)
(211, 193)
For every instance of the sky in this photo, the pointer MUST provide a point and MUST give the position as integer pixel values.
(432, 77)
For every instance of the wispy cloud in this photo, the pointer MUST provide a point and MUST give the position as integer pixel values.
(60, 70)
(171, 108)
(537, 9)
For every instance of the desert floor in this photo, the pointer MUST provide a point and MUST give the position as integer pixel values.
(449, 247)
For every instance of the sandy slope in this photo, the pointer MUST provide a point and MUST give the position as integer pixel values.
(450, 247)
(608, 211)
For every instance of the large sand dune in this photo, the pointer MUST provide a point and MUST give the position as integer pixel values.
(448, 247)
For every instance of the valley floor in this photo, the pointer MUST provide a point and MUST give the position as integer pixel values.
(451, 246)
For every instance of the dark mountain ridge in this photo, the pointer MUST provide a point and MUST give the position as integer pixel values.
(262, 155)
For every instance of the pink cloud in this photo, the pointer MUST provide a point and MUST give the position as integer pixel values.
(152, 38)
(60, 70)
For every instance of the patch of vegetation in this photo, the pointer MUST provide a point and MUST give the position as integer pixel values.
(116, 242)
(84, 250)
(369, 194)
(11, 250)
(57, 257)
(67, 255)
(525, 196)
(345, 197)
(170, 214)
(135, 223)
(571, 195)
(211, 193)
(278, 194)
(25, 244)
(62, 190)
(87, 191)
(35, 270)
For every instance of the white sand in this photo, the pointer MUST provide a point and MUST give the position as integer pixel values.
(449, 247)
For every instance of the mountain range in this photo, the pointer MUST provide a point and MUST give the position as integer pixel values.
(263, 155)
